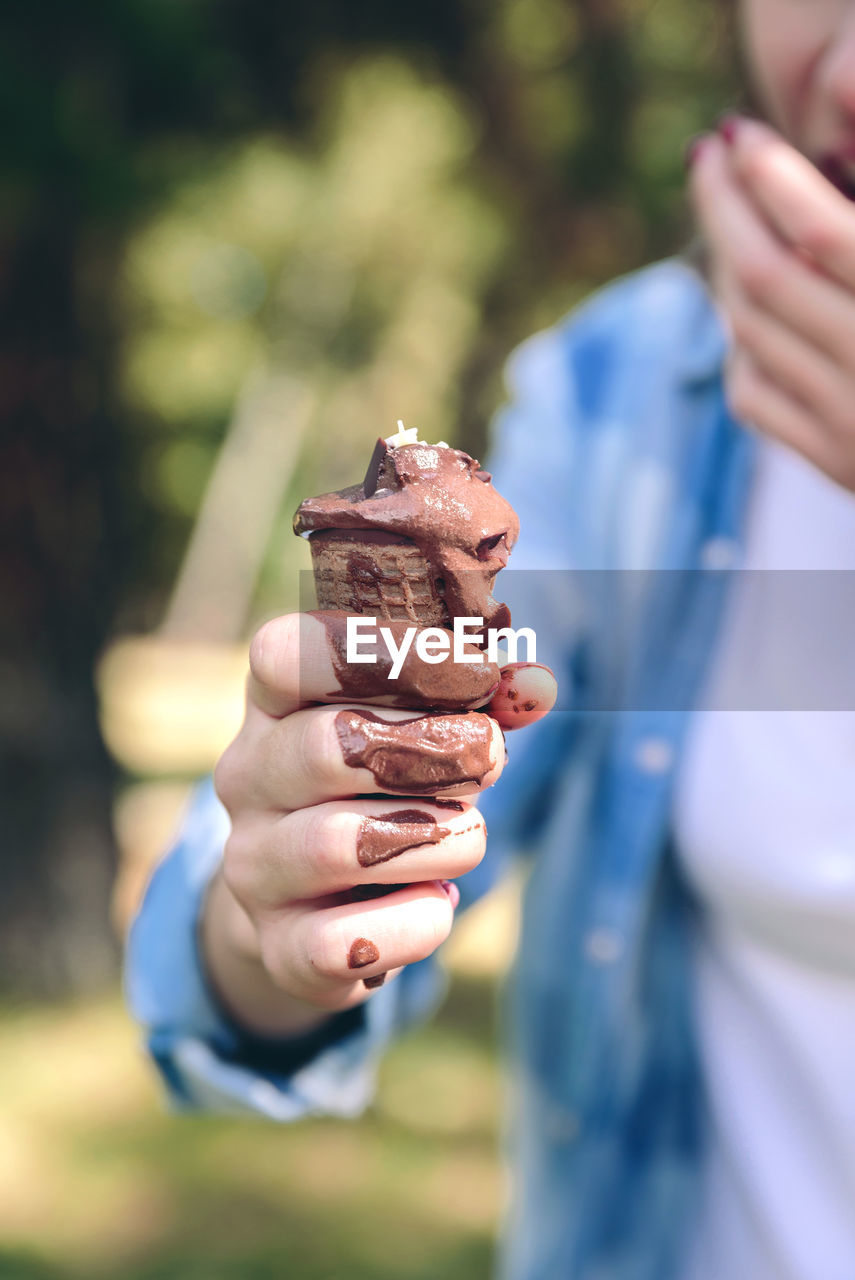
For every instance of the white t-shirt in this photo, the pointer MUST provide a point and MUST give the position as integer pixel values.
(765, 829)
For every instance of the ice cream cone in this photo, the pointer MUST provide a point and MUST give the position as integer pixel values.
(379, 574)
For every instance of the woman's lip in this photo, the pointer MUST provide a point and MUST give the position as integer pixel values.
(840, 155)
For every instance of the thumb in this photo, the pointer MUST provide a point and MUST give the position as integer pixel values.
(526, 692)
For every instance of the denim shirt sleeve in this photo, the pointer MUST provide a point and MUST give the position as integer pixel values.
(205, 1060)
(534, 451)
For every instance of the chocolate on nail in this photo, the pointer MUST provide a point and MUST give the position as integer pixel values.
(418, 757)
(528, 691)
(362, 952)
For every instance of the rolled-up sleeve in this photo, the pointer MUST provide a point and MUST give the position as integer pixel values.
(206, 1061)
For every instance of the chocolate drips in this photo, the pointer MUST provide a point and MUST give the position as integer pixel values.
(418, 757)
(389, 834)
(444, 503)
(446, 686)
(362, 952)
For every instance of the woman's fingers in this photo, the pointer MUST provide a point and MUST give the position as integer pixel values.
(757, 400)
(767, 272)
(804, 207)
(799, 369)
(329, 954)
(328, 753)
(302, 658)
(330, 848)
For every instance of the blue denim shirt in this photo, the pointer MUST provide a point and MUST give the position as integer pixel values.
(630, 479)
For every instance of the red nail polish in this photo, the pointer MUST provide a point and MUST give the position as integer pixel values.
(452, 890)
(694, 147)
(728, 127)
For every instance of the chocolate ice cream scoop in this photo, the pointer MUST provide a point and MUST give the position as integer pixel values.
(422, 537)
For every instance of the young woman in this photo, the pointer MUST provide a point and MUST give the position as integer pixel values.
(684, 993)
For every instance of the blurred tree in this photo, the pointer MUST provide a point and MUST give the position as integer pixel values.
(541, 144)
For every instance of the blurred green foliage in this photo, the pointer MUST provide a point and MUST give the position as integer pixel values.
(369, 203)
(424, 210)
(383, 198)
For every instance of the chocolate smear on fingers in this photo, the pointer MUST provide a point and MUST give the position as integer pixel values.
(417, 757)
(362, 952)
(390, 834)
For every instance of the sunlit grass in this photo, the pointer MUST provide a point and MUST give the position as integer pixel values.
(98, 1181)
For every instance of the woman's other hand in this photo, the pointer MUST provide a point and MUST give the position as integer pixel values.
(782, 242)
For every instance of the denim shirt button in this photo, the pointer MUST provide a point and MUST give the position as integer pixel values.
(603, 946)
(719, 553)
(654, 755)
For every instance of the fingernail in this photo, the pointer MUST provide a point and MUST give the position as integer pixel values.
(694, 147)
(377, 981)
(452, 890)
(728, 126)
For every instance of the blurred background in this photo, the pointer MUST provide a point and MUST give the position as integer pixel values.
(238, 240)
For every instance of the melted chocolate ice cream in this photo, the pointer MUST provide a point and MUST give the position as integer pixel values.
(439, 499)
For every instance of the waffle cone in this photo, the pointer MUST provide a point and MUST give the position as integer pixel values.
(377, 574)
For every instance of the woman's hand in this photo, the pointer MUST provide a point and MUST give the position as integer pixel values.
(782, 241)
(332, 801)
